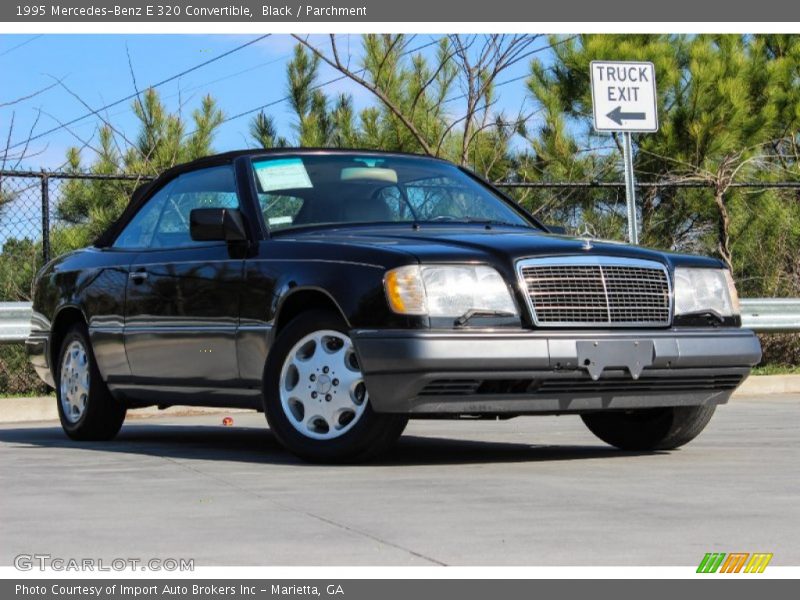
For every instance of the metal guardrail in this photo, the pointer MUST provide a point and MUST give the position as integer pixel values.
(15, 322)
(771, 315)
(764, 315)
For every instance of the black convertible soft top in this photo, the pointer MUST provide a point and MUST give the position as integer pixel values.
(142, 193)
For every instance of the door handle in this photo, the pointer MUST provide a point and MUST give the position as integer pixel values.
(137, 276)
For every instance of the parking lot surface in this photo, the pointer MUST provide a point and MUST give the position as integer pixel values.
(529, 491)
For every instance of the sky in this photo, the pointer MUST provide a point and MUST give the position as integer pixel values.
(95, 68)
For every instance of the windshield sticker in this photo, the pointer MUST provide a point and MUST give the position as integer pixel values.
(282, 174)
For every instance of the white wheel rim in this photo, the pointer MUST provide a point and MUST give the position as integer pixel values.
(74, 381)
(322, 390)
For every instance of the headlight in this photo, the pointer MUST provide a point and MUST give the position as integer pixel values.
(705, 290)
(447, 290)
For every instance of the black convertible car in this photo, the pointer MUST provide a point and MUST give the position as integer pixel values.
(343, 293)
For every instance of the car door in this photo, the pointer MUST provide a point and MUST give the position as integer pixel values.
(182, 299)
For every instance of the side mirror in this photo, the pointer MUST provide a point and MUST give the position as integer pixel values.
(557, 229)
(217, 225)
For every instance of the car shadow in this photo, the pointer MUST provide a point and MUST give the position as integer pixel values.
(257, 445)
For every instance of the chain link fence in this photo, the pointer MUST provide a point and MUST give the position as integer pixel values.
(44, 214)
(33, 206)
(17, 377)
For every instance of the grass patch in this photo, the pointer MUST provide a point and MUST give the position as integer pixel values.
(32, 394)
(777, 370)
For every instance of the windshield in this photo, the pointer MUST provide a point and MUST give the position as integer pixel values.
(297, 191)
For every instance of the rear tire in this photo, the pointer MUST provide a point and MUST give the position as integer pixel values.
(86, 409)
(649, 429)
(315, 400)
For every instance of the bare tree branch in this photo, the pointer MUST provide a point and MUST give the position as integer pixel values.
(337, 64)
(85, 143)
(31, 95)
(496, 54)
(96, 113)
(24, 153)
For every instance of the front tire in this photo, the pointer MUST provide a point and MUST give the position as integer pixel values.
(315, 398)
(86, 409)
(649, 429)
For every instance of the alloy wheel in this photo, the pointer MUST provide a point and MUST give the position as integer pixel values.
(322, 390)
(74, 381)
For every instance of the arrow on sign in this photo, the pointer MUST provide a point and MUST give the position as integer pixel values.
(618, 116)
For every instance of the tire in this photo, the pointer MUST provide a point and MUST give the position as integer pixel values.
(313, 356)
(649, 429)
(87, 410)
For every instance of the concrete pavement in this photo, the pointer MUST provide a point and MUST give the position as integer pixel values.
(539, 490)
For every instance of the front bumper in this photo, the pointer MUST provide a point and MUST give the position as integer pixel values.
(37, 347)
(526, 372)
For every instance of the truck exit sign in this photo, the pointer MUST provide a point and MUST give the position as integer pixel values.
(624, 96)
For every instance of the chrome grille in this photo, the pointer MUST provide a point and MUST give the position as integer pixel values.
(596, 292)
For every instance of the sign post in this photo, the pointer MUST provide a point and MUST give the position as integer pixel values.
(624, 101)
(630, 189)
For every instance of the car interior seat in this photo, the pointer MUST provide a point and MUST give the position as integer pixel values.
(353, 204)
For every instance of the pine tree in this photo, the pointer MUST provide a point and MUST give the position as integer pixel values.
(728, 111)
(163, 140)
(265, 133)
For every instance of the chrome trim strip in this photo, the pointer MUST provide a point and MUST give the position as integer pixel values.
(599, 261)
(105, 329)
(232, 261)
(171, 328)
(605, 293)
(265, 328)
(38, 336)
(316, 260)
(179, 328)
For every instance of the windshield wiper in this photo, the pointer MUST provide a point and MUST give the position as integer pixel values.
(477, 312)
(475, 221)
(496, 222)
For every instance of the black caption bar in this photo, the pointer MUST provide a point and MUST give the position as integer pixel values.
(389, 589)
(442, 11)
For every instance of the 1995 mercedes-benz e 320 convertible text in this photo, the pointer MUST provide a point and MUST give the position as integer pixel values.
(344, 292)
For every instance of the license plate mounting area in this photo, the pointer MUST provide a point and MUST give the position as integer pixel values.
(598, 355)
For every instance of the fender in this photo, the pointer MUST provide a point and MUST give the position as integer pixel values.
(268, 293)
(287, 294)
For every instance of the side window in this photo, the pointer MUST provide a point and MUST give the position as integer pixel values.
(164, 221)
(140, 229)
(279, 210)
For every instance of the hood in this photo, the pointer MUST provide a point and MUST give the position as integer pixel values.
(477, 243)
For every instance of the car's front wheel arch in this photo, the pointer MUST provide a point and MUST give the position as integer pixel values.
(66, 318)
(304, 299)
